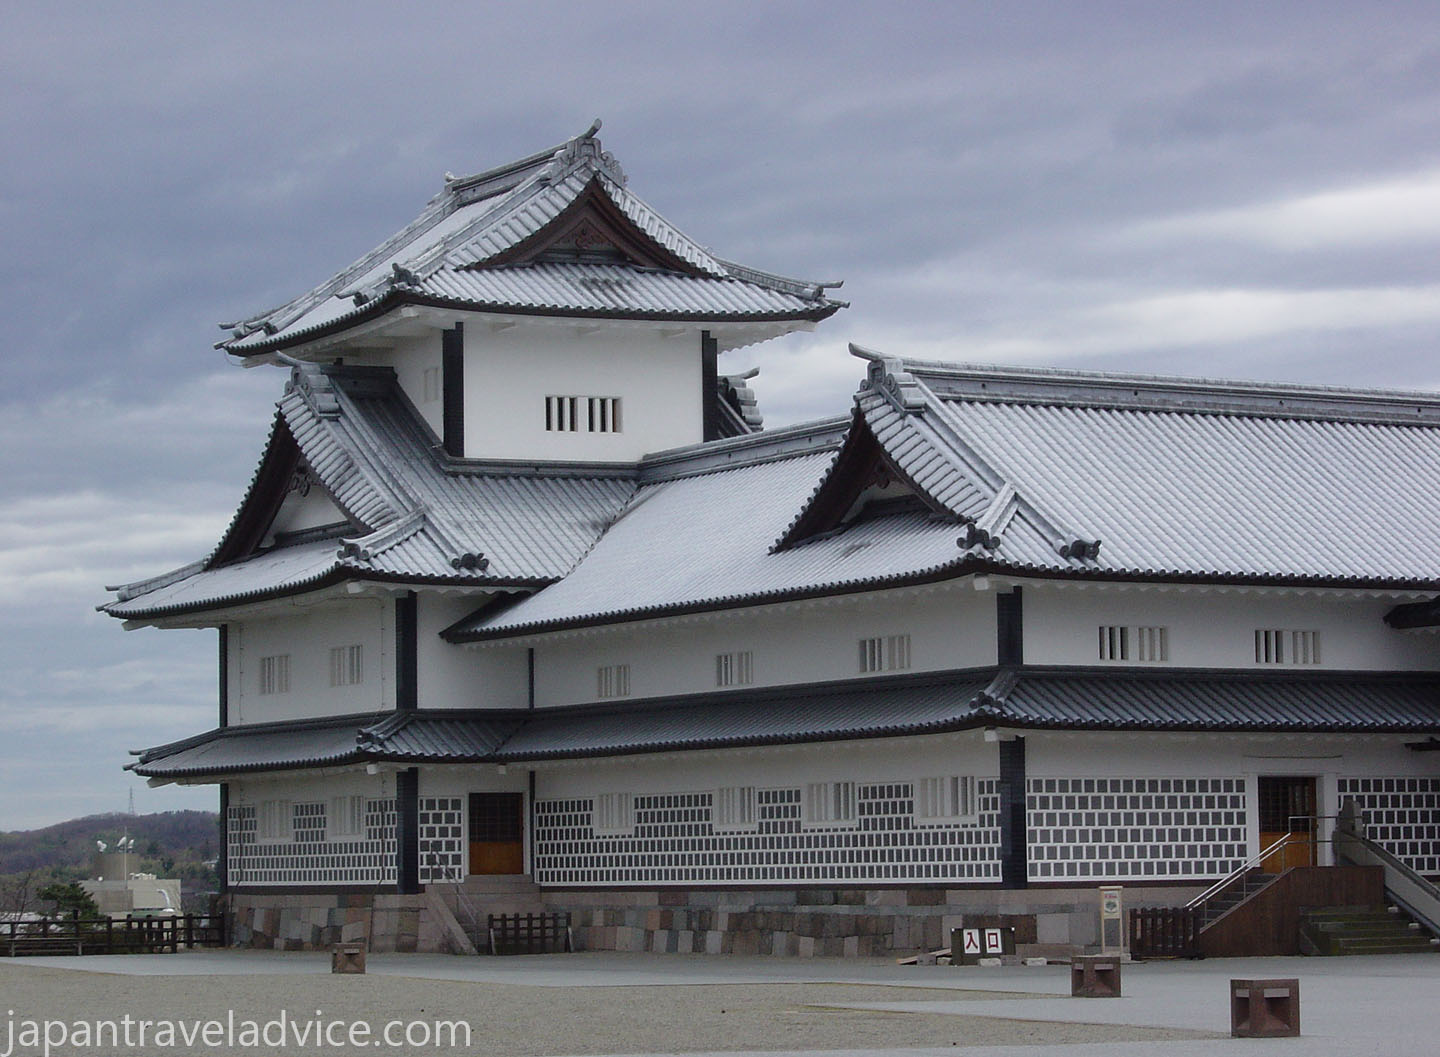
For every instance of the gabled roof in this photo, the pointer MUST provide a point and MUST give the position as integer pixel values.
(416, 515)
(1032, 473)
(935, 702)
(557, 233)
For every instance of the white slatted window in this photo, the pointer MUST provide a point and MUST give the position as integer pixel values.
(582, 414)
(1287, 646)
(1139, 645)
(885, 653)
(734, 809)
(347, 665)
(734, 669)
(275, 674)
(830, 804)
(948, 797)
(612, 680)
(275, 821)
(614, 814)
(346, 816)
(431, 385)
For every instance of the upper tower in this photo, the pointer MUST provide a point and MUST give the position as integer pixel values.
(540, 311)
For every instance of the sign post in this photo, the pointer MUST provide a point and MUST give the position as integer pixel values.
(1112, 920)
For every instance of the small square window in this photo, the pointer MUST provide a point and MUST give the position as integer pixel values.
(612, 680)
(275, 674)
(347, 665)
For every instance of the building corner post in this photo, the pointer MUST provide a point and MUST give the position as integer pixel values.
(1014, 850)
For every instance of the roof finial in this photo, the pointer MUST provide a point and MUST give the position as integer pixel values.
(589, 133)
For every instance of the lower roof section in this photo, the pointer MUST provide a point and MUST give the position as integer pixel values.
(1023, 699)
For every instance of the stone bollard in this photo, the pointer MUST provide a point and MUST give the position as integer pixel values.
(347, 958)
(1095, 976)
(1264, 1009)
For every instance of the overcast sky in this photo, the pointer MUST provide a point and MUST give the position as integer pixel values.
(1230, 189)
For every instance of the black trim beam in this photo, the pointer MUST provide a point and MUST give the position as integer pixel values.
(530, 830)
(407, 831)
(1009, 630)
(709, 386)
(222, 861)
(1014, 852)
(452, 389)
(407, 651)
(1414, 615)
(224, 665)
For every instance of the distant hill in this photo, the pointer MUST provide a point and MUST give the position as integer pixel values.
(168, 844)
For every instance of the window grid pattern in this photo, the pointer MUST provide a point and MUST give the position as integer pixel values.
(676, 840)
(442, 839)
(1139, 644)
(1135, 828)
(1402, 815)
(367, 859)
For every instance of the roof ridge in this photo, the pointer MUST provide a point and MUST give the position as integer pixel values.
(1173, 393)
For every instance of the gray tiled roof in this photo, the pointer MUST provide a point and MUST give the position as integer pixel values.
(418, 512)
(455, 253)
(1154, 479)
(878, 707)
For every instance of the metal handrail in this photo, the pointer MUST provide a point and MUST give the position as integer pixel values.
(1244, 868)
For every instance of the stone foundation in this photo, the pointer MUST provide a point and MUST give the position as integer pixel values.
(306, 922)
(837, 922)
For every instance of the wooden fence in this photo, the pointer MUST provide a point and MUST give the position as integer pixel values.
(529, 933)
(1165, 932)
(76, 935)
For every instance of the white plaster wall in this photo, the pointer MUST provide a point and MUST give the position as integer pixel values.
(298, 513)
(1216, 629)
(778, 767)
(308, 637)
(312, 788)
(508, 374)
(790, 644)
(410, 358)
(455, 677)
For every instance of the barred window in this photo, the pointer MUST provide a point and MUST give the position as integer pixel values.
(734, 669)
(830, 804)
(885, 653)
(347, 665)
(275, 674)
(947, 797)
(734, 809)
(582, 414)
(612, 680)
(614, 814)
(346, 817)
(1140, 644)
(275, 821)
(1286, 646)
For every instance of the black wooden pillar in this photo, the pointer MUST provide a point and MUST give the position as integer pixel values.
(407, 649)
(1014, 853)
(709, 386)
(407, 831)
(224, 666)
(452, 389)
(1009, 630)
(222, 861)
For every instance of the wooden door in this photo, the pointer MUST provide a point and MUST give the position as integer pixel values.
(497, 833)
(1287, 805)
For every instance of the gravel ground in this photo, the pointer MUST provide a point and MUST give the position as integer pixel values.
(510, 1021)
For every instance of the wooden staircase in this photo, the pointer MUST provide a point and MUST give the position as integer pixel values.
(1362, 930)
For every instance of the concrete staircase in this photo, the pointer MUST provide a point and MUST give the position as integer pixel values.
(484, 894)
(1234, 895)
(1362, 930)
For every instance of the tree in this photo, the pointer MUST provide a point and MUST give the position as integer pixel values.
(70, 900)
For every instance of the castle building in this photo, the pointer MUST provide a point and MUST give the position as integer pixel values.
(522, 589)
